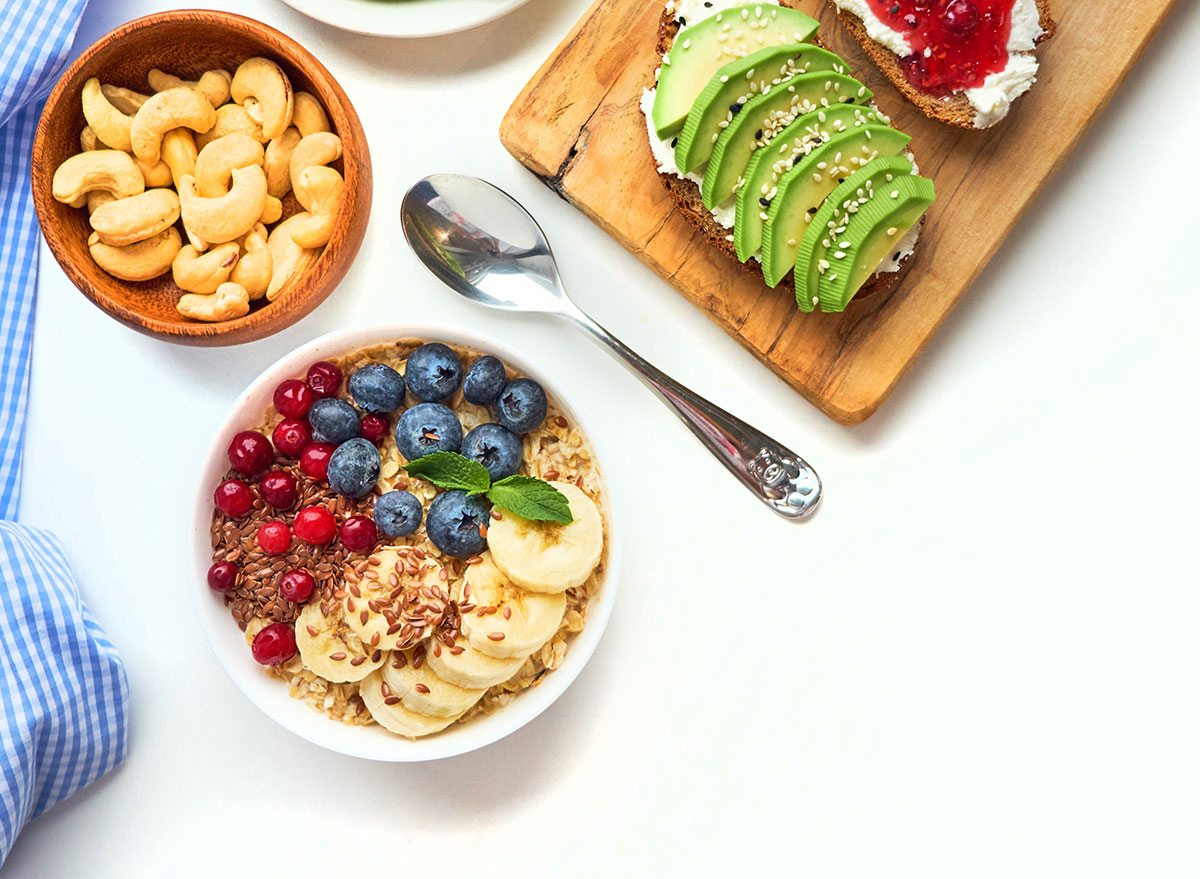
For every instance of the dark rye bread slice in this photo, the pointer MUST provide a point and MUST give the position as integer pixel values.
(955, 110)
(688, 201)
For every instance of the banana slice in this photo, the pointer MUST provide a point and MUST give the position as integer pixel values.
(547, 556)
(328, 648)
(470, 669)
(515, 622)
(396, 717)
(371, 612)
(422, 691)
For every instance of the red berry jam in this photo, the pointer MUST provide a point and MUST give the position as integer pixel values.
(291, 436)
(274, 538)
(292, 398)
(358, 534)
(296, 586)
(955, 44)
(324, 379)
(314, 460)
(233, 498)
(278, 488)
(315, 525)
(373, 427)
(250, 453)
(222, 576)
(276, 643)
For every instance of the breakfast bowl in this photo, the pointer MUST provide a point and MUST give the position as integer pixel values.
(329, 709)
(186, 44)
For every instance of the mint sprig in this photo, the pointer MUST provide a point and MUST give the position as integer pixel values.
(525, 496)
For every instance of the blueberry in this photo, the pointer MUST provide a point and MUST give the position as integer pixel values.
(398, 513)
(496, 448)
(333, 420)
(354, 468)
(453, 523)
(433, 373)
(522, 405)
(427, 428)
(485, 380)
(377, 387)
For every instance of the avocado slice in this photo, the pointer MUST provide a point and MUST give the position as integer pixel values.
(801, 190)
(717, 125)
(871, 233)
(701, 49)
(765, 115)
(810, 131)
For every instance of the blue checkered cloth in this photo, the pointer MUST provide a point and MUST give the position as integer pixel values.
(63, 692)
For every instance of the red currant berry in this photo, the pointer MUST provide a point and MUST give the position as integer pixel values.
(222, 576)
(274, 644)
(373, 427)
(291, 436)
(358, 533)
(961, 17)
(274, 538)
(324, 379)
(315, 525)
(278, 488)
(296, 586)
(233, 498)
(250, 453)
(292, 398)
(314, 460)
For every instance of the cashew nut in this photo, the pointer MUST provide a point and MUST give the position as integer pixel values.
(217, 160)
(98, 198)
(253, 270)
(265, 82)
(320, 148)
(179, 152)
(214, 84)
(156, 174)
(228, 302)
(228, 216)
(126, 100)
(110, 170)
(272, 210)
(108, 123)
(129, 220)
(322, 192)
(88, 140)
(137, 262)
(308, 116)
(198, 273)
(173, 108)
(288, 259)
(277, 162)
(231, 119)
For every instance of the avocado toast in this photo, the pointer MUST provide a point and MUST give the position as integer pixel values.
(774, 126)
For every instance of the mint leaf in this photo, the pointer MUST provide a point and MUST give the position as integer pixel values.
(531, 499)
(451, 470)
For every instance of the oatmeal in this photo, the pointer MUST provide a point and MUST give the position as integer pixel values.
(418, 599)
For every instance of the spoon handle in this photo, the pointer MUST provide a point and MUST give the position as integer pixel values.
(774, 473)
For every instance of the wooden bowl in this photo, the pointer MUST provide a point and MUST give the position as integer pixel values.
(187, 43)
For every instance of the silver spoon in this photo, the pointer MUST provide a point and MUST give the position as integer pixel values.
(485, 246)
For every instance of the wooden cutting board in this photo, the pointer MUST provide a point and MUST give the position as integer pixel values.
(577, 125)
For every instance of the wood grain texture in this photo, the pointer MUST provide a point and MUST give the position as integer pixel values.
(577, 125)
(187, 43)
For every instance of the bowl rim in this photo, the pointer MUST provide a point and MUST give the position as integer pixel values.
(398, 22)
(324, 273)
(228, 642)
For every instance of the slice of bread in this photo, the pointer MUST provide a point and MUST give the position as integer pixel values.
(955, 110)
(686, 195)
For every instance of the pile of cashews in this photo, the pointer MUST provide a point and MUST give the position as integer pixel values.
(220, 154)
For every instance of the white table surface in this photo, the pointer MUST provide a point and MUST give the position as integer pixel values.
(979, 659)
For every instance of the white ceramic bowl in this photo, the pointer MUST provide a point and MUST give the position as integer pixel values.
(270, 694)
(405, 18)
